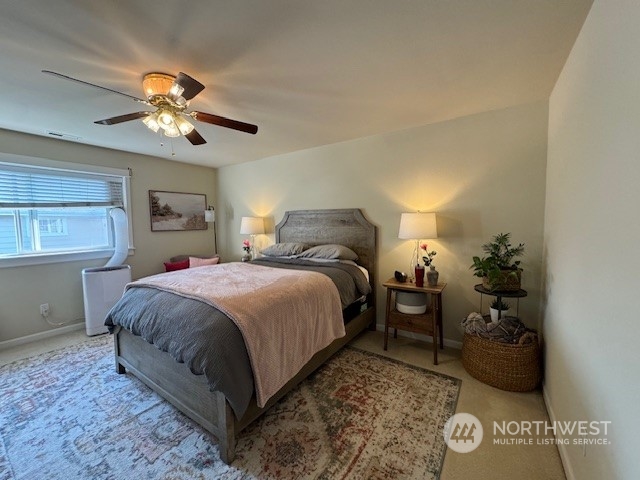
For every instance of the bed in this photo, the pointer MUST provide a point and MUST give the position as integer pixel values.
(192, 394)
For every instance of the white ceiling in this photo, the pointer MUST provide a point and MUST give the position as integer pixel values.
(307, 72)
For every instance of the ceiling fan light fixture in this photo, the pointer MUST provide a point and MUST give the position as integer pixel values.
(172, 131)
(157, 84)
(183, 125)
(176, 90)
(170, 95)
(166, 119)
(151, 122)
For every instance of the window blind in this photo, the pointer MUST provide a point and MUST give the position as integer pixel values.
(37, 187)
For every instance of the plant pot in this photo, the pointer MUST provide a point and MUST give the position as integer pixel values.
(506, 281)
(494, 312)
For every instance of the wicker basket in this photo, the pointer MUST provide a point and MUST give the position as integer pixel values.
(515, 368)
(509, 281)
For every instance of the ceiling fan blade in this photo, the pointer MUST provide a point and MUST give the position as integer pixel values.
(225, 122)
(191, 87)
(195, 138)
(123, 118)
(66, 77)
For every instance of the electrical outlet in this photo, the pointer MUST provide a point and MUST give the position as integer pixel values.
(44, 310)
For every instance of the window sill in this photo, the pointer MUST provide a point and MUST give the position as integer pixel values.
(46, 258)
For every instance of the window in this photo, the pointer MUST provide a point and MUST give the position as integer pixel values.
(50, 211)
(53, 226)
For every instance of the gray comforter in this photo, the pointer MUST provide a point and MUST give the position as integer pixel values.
(204, 338)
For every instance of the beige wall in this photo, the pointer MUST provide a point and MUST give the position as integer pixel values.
(592, 235)
(23, 289)
(483, 174)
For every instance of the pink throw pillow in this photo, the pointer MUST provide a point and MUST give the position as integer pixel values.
(201, 262)
(172, 267)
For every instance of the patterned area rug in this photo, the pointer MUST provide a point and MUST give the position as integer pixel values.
(67, 414)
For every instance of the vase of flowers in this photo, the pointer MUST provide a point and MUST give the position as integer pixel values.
(427, 258)
(432, 276)
(246, 246)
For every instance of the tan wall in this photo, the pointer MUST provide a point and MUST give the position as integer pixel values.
(23, 289)
(483, 174)
(592, 235)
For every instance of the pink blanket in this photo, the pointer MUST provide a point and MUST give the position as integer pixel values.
(285, 316)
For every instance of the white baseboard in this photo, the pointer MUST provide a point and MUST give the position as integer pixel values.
(423, 338)
(40, 336)
(562, 448)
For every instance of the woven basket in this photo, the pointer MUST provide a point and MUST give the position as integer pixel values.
(507, 282)
(515, 368)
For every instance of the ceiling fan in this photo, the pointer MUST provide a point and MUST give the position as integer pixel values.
(170, 97)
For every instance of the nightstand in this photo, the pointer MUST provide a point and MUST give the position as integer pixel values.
(428, 323)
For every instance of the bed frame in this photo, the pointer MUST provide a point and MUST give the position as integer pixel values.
(190, 393)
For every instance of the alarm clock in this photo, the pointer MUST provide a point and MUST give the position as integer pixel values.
(400, 276)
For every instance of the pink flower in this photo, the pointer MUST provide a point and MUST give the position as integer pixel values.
(424, 247)
(246, 246)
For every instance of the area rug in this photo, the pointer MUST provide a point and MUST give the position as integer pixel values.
(67, 415)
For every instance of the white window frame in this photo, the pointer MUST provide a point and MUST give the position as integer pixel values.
(57, 257)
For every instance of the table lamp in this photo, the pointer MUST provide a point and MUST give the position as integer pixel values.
(252, 226)
(417, 226)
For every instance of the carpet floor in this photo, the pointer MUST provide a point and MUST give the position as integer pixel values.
(66, 414)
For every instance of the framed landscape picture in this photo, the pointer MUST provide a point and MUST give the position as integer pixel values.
(175, 211)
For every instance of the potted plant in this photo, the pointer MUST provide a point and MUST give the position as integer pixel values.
(498, 270)
(498, 310)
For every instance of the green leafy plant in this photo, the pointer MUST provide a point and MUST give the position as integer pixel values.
(500, 305)
(499, 262)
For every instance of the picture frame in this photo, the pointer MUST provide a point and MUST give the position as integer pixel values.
(177, 211)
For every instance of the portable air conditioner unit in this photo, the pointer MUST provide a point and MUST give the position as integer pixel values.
(102, 288)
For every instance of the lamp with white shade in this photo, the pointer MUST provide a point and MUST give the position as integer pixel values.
(252, 226)
(417, 226)
(210, 217)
